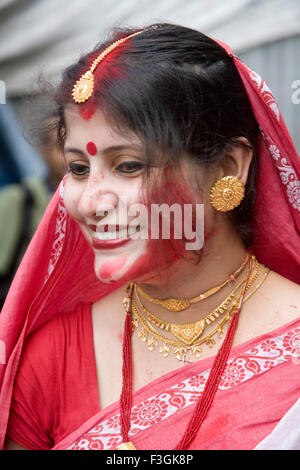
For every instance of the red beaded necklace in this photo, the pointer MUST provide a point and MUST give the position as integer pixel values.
(206, 399)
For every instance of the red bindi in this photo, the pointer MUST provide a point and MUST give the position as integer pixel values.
(91, 148)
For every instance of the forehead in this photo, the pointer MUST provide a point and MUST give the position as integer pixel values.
(97, 129)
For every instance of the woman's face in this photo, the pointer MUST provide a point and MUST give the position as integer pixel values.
(105, 178)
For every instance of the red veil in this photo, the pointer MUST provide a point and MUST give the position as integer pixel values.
(57, 270)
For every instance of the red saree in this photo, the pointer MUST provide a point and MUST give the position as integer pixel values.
(252, 398)
(49, 280)
(58, 368)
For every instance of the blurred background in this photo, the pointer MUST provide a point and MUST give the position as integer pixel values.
(39, 38)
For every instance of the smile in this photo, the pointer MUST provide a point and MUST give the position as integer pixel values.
(111, 236)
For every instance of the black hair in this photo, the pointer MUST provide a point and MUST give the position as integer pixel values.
(180, 93)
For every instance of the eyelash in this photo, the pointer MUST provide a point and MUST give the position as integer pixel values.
(133, 164)
(81, 170)
(74, 168)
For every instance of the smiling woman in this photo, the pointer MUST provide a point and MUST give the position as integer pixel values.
(96, 186)
(172, 347)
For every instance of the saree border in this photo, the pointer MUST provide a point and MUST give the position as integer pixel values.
(264, 353)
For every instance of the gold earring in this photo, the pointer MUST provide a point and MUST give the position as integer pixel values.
(227, 193)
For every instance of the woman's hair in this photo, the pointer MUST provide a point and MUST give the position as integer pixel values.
(179, 92)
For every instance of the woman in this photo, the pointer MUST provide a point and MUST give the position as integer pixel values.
(202, 352)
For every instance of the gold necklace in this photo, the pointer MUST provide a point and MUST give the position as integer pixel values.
(179, 304)
(188, 333)
(182, 351)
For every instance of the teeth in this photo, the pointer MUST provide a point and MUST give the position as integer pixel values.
(110, 235)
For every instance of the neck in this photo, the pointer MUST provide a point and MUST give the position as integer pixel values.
(185, 279)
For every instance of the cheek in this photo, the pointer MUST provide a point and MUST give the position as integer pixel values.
(71, 199)
(177, 194)
(141, 262)
(156, 255)
(150, 263)
(174, 192)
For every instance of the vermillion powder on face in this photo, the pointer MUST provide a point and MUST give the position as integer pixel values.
(91, 148)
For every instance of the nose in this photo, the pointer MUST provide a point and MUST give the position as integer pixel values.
(96, 199)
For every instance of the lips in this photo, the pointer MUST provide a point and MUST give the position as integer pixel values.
(110, 236)
(109, 244)
(111, 232)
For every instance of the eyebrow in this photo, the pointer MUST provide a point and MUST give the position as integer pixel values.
(107, 150)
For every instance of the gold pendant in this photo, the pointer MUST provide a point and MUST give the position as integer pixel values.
(189, 332)
(83, 88)
(175, 305)
(126, 446)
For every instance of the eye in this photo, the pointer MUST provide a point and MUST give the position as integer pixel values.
(130, 167)
(78, 170)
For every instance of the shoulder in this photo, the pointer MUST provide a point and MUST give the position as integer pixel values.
(283, 295)
(275, 304)
(52, 369)
(55, 333)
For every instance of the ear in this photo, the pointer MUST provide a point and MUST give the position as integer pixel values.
(237, 159)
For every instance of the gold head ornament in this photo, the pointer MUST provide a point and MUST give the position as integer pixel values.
(84, 87)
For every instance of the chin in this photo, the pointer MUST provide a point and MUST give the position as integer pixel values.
(122, 266)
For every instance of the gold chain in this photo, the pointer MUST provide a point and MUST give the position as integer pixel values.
(188, 333)
(180, 350)
(179, 304)
(267, 270)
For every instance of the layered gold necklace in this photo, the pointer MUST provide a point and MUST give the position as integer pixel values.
(178, 304)
(185, 340)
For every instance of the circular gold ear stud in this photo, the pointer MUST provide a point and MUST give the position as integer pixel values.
(227, 193)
